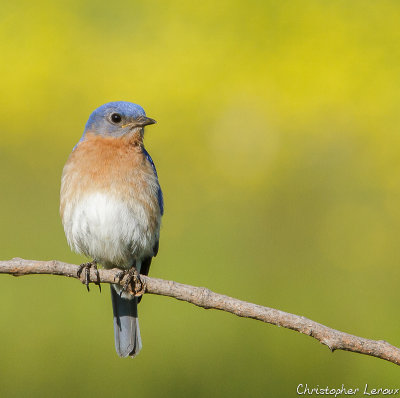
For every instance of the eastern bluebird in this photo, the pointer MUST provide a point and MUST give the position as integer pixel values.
(111, 206)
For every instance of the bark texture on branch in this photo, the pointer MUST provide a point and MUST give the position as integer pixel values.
(203, 297)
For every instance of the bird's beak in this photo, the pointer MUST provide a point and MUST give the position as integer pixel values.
(142, 121)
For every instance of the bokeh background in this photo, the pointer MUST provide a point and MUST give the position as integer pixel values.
(278, 150)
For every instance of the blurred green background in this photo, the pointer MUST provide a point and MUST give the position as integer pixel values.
(278, 150)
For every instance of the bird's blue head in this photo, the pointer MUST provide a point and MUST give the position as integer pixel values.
(117, 118)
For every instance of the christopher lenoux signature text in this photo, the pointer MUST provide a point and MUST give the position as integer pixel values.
(305, 389)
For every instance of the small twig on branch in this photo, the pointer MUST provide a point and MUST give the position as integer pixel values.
(205, 298)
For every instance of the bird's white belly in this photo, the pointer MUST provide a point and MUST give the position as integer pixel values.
(109, 230)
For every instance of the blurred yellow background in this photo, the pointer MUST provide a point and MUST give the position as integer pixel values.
(278, 151)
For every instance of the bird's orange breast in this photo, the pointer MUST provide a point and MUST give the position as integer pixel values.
(116, 166)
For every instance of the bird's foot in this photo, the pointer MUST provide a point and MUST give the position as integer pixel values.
(86, 267)
(132, 275)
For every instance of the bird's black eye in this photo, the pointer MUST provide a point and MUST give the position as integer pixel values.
(116, 118)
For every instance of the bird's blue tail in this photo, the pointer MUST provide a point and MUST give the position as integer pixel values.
(126, 324)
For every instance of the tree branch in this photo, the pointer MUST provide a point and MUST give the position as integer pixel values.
(203, 297)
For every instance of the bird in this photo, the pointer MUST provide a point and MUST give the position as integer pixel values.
(111, 205)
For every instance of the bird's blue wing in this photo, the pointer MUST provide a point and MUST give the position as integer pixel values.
(159, 193)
